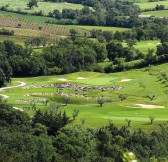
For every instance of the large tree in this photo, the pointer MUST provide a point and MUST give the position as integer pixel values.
(32, 3)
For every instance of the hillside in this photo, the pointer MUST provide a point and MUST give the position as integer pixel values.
(83, 80)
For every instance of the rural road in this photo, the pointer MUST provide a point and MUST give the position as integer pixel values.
(4, 88)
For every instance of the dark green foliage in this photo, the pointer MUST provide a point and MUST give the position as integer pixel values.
(47, 137)
(32, 3)
(75, 143)
(6, 32)
(52, 120)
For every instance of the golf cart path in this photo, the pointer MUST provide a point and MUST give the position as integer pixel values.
(4, 88)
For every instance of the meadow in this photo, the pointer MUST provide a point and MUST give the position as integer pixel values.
(162, 13)
(151, 5)
(115, 110)
(45, 7)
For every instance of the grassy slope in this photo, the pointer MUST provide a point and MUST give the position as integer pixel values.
(116, 111)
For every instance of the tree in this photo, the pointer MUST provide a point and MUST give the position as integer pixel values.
(73, 33)
(75, 113)
(66, 99)
(32, 3)
(128, 122)
(150, 97)
(122, 97)
(151, 118)
(57, 14)
(100, 101)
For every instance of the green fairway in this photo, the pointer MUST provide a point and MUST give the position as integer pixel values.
(114, 110)
(163, 13)
(45, 7)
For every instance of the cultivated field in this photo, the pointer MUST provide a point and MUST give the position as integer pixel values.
(114, 109)
(27, 23)
(45, 7)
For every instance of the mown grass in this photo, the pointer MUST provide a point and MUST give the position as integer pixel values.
(45, 7)
(115, 110)
(162, 13)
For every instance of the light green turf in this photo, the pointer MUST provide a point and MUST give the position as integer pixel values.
(115, 110)
(143, 46)
(45, 7)
(163, 13)
(151, 5)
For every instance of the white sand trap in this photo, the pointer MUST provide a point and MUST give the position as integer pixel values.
(62, 79)
(81, 78)
(151, 44)
(125, 80)
(149, 106)
(159, 43)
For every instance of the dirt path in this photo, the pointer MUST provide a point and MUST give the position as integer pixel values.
(20, 85)
(5, 96)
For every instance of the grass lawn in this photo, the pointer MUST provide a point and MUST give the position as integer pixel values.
(163, 13)
(45, 7)
(116, 110)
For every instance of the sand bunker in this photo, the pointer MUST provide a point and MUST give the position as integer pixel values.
(80, 78)
(125, 80)
(62, 79)
(149, 106)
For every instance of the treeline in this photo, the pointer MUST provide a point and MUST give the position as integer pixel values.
(6, 32)
(65, 57)
(49, 136)
(75, 54)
